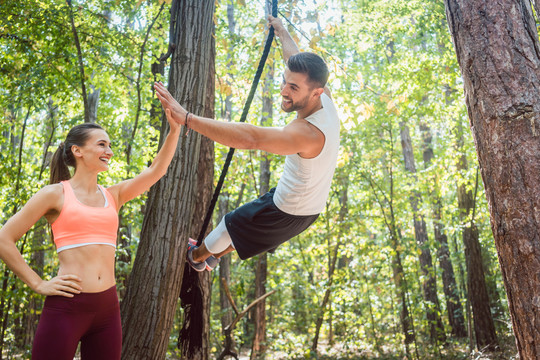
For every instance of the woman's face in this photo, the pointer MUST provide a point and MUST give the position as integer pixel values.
(96, 152)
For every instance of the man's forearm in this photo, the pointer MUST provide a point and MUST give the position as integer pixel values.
(289, 46)
(232, 134)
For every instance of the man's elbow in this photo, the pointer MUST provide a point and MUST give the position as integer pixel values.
(249, 140)
(251, 144)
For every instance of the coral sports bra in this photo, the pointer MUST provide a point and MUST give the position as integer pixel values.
(80, 225)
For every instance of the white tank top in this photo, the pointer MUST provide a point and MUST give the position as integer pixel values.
(305, 183)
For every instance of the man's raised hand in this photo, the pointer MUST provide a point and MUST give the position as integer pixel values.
(177, 112)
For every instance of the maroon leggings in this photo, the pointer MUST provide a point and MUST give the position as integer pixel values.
(91, 318)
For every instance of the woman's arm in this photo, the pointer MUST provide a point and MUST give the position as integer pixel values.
(129, 189)
(42, 202)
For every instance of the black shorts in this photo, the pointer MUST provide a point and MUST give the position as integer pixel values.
(259, 226)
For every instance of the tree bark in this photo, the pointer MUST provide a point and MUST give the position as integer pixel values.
(196, 292)
(436, 327)
(258, 348)
(453, 302)
(149, 306)
(498, 52)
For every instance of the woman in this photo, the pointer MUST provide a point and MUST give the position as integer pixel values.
(81, 303)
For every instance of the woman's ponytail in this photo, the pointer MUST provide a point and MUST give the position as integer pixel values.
(59, 169)
(63, 157)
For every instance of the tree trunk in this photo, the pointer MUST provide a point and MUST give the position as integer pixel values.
(386, 204)
(149, 306)
(31, 313)
(258, 349)
(537, 8)
(93, 102)
(224, 271)
(40, 238)
(477, 293)
(436, 327)
(196, 292)
(225, 263)
(80, 62)
(499, 55)
(333, 253)
(453, 302)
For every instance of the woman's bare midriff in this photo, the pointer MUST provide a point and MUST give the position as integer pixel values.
(94, 264)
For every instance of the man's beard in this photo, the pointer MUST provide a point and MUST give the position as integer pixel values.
(295, 106)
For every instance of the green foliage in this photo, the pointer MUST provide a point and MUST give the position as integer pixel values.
(391, 62)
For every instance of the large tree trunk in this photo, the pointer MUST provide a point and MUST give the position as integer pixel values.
(429, 286)
(498, 51)
(154, 285)
(197, 287)
(196, 292)
(453, 302)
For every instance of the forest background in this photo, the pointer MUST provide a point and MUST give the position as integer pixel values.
(383, 273)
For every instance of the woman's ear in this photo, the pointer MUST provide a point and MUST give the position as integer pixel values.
(76, 151)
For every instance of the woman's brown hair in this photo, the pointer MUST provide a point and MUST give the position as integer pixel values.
(63, 157)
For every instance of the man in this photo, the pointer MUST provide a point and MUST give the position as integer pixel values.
(310, 143)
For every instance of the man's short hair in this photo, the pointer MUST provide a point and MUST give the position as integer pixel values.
(312, 65)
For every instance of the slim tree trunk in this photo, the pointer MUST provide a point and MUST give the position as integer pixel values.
(537, 7)
(224, 271)
(420, 232)
(80, 61)
(453, 302)
(498, 52)
(5, 302)
(258, 349)
(477, 293)
(333, 253)
(225, 263)
(40, 238)
(386, 204)
(149, 305)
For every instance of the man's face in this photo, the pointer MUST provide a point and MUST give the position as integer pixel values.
(295, 90)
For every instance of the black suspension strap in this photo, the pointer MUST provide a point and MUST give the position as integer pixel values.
(247, 105)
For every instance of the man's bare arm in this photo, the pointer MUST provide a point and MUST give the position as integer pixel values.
(287, 43)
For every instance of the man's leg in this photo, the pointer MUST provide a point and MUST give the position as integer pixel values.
(217, 243)
(201, 253)
(225, 252)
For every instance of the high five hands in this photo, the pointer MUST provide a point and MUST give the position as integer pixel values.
(173, 110)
